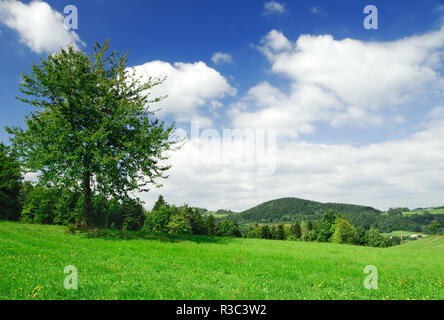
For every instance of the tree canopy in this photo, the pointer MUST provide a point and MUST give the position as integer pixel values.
(10, 185)
(94, 128)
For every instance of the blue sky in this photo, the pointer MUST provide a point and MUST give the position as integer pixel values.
(357, 113)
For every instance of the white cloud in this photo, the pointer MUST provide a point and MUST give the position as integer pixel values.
(189, 86)
(341, 82)
(273, 7)
(405, 172)
(317, 10)
(267, 107)
(220, 57)
(274, 42)
(39, 27)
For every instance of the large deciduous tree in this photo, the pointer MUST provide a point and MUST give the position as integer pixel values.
(94, 128)
(10, 185)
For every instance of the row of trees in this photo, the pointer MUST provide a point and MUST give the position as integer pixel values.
(63, 206)
(331, 228)
(185, 220)
(22, 201)
(290, 210)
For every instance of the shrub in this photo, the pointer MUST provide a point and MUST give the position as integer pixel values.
(266, 232)
(180, 224)
(326, 226)
(158, 220)
(133, 214)
(344, 232)
(210, 225)
(253, 231)
(295, 230)
(374, 239)
(228, 228)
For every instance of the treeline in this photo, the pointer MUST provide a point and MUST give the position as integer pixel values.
(186, 220)
(290, 210)
(22, 201)
(331, 228)
(64, 206)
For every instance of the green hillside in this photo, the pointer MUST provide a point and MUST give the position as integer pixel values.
(33, 258)
(291, 209)
(288, 210)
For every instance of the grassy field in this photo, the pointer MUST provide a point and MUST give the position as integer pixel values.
(439, 210)
(431, 211)
(399, 233)
(215, 214)
(33, 257)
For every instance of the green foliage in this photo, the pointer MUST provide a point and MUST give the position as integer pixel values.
(133, 214)
(186, 220)
(344, 232)
(360, 236)
(308, 233)
(210, 225)
(228, 229)
(266, 232)
(396, 211)
(92, 122)
(254, 231)
(66, 210)
(160, 202)
(295, 230)
(180, 224)
(158, 220)
(277, 232)
(325, 230)
(195, 220)
(434, 227)
(289, 210)
(64, 207)
(375, 239)
(40, 205)
(10, 185)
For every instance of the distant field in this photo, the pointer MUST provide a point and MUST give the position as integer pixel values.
(401, 233)
(431, 211)
(33, 257)
(216, 215)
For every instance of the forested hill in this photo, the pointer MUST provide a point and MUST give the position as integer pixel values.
(292, 209)
(288, 210)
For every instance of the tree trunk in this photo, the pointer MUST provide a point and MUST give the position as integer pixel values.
(87, 206)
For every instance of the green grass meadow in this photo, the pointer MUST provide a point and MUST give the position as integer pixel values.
(33, 257)
(431, 211)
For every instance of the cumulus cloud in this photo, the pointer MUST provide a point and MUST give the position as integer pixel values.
(39, 27)
(404, 172)
(220, 57)
(267, 107)
(273, 7)
(189, 86)
(341, 82)
(336, 82)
